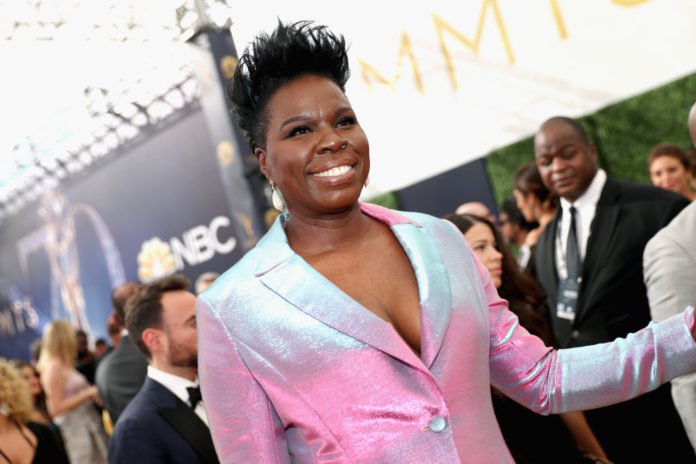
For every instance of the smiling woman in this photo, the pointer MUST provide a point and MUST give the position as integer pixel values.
(353, 333)
(670, 168)
(315, 152)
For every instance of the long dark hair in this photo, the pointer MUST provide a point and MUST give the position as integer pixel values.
(39, 401)
(525, 297)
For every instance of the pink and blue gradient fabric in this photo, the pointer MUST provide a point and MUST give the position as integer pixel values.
(294, 370)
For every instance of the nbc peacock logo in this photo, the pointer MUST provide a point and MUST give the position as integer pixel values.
(155, 260)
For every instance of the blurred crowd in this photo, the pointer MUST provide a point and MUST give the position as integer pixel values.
(61, 406)
(634, 244)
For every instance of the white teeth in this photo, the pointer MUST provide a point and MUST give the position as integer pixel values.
(334, 171)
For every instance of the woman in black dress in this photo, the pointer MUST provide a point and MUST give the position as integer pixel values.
(22, 441)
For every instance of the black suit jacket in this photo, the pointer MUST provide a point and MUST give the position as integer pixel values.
(157, 427)
(612, 300)
(119, 377)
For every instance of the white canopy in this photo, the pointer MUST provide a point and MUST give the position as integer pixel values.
(436, 84)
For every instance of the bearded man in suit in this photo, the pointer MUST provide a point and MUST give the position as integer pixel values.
(166, 421)
(589, 262)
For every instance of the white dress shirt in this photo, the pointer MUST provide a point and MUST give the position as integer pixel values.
(177, 385)
(585, 208)
(523, 255)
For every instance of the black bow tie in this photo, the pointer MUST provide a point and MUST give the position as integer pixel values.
(194, 396)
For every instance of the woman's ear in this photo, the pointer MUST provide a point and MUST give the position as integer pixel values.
(261, 156)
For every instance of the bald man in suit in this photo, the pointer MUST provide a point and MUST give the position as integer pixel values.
(594, 282)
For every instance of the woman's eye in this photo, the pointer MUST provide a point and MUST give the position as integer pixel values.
(299, 130)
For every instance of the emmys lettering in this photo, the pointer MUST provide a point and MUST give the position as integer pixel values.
(489, 12)
(17, 318)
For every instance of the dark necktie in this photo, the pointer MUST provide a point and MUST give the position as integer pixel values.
(573, 261)
(194, 395)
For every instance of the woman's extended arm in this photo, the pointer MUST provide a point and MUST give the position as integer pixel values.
(555, 381)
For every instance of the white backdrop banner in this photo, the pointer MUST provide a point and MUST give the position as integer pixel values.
(438, 83)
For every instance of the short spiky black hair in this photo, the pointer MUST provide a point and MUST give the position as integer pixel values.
(290, 51)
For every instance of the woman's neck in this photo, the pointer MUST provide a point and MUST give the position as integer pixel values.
(6, 424)
(311, 236)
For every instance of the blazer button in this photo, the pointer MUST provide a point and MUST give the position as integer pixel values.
(437, 424)
(574, 334)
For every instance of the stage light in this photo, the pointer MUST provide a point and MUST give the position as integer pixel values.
(111, 140)
(127, 132)
(115, 109)
(175, 98)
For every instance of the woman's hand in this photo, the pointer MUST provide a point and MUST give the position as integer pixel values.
(92, 393)
(584, 437)
(97, 399)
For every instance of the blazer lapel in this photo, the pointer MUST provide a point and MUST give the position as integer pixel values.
(191, 428)
(288, 275)
(433, 287)
(545, 269)
(333, 307)
(601, 234)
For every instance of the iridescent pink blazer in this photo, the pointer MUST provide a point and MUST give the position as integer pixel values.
(293, 370)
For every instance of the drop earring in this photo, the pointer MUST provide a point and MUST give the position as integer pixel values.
(5, 409)
(277, 198)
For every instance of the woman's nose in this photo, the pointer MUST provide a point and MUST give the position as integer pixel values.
(333, 142)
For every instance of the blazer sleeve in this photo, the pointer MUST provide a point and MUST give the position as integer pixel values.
(555, 381)
(243, 422)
